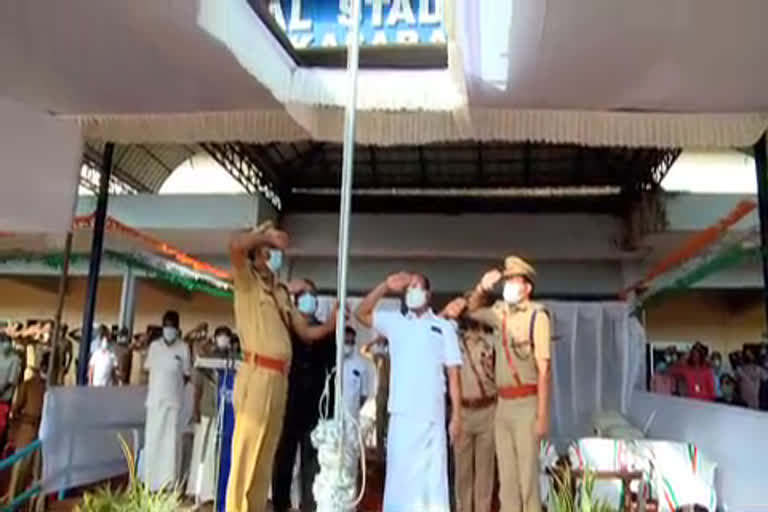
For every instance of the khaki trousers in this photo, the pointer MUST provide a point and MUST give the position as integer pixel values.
(259, 399)
(517, 452)
(476, 461)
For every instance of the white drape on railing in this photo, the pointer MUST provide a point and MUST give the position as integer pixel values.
(598, 351)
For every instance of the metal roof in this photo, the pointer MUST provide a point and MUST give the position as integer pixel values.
(139, 167)
(466, 176)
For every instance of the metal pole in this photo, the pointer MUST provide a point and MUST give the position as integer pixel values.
(97, 245)
(761, 167)
(347, 170)
(53, 362)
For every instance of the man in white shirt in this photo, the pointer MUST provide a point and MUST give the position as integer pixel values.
(103, 365)
(169, 366)
(422, 349)
(356, 385)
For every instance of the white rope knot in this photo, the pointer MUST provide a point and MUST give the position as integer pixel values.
(335, 486)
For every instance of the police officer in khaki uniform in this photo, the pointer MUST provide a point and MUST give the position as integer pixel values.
(475, 453)
(265, 317)
(522, 343)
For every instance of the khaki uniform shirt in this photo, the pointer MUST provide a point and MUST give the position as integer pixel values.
(263, 314)
(516, 344)
(477, 373)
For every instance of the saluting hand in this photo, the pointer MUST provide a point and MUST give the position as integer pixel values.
(454, 308)
(276, 238)
(490, 279)
(397, 283)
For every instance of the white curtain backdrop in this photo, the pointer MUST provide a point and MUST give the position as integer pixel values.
(598, 353)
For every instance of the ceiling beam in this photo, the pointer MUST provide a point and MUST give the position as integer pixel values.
(527, 164)
(422, 167)
(374, 165)
(480, 170)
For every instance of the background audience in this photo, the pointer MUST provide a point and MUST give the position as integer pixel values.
(743, 383)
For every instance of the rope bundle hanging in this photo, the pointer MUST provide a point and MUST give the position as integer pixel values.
(339, 448)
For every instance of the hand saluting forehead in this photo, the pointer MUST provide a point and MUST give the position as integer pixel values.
(399, 282)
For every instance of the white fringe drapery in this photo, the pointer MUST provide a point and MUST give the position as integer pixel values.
(420, 127)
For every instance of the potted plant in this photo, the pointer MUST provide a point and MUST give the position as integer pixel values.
(562, 498)
(133, 498)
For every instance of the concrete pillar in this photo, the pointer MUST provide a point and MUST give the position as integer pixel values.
(128, 300)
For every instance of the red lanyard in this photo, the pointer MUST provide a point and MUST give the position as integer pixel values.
(506, 343)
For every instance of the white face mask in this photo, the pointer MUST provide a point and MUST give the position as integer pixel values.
(307, 304)
(415, 298)
(222, 342)
(104, 343)
(348, 349)
(513, 292)
(169, 334)
(275, 261)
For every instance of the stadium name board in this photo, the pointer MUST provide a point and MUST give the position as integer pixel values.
(324, 23)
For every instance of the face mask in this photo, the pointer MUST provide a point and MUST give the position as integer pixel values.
(275, 260)
(348, 350)
(104, 343)
(513, 292)
(169, 334)
(222, 342)
(307, 304)
(415, 298)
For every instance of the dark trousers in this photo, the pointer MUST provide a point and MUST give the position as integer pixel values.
(295, 439)
(451, 460)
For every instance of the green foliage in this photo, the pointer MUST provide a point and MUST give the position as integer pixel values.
(561, 499)
(136, 497)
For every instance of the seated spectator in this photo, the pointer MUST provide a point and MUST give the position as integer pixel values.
(695, 374)
(661, 382)
(729, 392)
(716, 362)
(750, 376)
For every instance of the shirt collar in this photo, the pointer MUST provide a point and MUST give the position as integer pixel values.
(520, 307)
(428, 315)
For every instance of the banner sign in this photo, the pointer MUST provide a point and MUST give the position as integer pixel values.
(324, 23)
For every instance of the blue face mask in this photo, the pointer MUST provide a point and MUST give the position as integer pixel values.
(275, 260)
(307, 304)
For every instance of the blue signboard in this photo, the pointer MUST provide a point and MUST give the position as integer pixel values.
(227, 429)
(324, 23)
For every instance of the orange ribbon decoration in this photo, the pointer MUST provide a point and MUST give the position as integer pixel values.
(694, 245)
(114, 225)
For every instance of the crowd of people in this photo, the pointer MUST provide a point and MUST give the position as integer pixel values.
(472, 381)
(461, 406)
(468, 385)
(702, 375)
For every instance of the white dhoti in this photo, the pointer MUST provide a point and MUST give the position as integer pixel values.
(417, 466)
(202, 474)
(162, 447)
